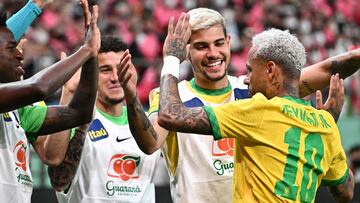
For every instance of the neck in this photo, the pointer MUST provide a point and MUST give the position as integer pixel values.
(212, 85)
(290, 89)
(110, 109)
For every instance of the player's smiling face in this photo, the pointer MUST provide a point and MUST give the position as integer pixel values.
(10, 58)
(109, 88)
(209, 53)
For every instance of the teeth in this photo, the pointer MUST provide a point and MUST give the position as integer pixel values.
(214, 64)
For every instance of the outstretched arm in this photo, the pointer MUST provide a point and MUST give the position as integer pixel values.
(343, 193)
(148, 134)
(317, 76)
(173, 115)
(52, 148)
(79, 110)
(44, 83)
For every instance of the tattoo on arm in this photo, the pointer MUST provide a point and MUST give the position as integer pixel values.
(192, 120)
(307, 86)
(137, 116)
(345, 65)
(62, 175)
(57, 118)
(177, 48)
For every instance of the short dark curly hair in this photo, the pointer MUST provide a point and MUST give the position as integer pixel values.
(111, 43)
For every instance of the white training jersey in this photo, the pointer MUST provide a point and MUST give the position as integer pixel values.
(16, 183)
(112, 167)
(200, 168)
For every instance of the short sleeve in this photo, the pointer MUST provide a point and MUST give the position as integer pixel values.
(338, 171)
(154, 99)
(238, 118)
(31, 120)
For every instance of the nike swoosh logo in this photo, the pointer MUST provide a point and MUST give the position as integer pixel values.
(120, 140)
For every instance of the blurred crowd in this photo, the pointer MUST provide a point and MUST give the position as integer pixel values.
(325, 27)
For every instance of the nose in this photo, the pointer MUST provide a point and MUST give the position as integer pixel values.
(114, 75)
(212, 52)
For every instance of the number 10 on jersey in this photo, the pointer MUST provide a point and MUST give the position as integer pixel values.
(287, 188)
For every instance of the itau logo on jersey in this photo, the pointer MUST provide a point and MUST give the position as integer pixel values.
(223, 147)
(124, 166)
(97, 131)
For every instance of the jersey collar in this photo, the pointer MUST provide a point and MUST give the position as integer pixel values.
(209, 92)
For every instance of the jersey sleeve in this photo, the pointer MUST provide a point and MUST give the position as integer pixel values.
(338, 171)
(236, 119)
(154, 99)
(20, 21)
(31, 120)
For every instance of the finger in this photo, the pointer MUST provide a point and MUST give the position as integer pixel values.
(95, 15)
(123, 72)
(125, 59)
(319, 101)
(179, 24)
(342, 88)
(86, 13)
(126, 53)
(62, 55)
(171, 25)
(188, 29)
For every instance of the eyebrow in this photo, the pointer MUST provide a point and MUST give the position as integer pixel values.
(202, 42)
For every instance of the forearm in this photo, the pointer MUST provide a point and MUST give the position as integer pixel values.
(317, 76)
(62, 175)
(20, 21)
(343, 193)
(141, 128)
(83, 100)
(174, 116)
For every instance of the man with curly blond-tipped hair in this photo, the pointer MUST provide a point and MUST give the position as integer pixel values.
(201, 168)
(285, 148)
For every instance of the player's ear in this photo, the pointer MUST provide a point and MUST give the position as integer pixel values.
(270, 67)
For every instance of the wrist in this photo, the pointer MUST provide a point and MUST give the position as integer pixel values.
(171, 66)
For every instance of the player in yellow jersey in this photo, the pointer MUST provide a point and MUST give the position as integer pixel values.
(284, 147)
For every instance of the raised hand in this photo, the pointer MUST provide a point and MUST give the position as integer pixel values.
(127, 75)
(335, 100)
(177, 37)
(93, 38)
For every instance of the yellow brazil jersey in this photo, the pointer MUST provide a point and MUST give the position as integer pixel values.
(284, 148)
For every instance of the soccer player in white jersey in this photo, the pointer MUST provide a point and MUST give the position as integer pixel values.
(21, 123)
(200, 168)
(112, 168)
